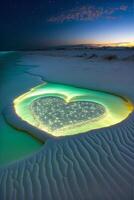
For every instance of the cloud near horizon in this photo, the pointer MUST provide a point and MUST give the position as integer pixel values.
(87, 13)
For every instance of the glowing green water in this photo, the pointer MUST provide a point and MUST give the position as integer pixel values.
(110, 110)
(15, 144)
(115, 109)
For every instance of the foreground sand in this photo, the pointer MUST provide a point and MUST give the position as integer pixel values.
(95, 165)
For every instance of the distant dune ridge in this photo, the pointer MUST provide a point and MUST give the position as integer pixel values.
(98, 165)
(95, 54)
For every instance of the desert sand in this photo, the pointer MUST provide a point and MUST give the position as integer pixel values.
(95, 165)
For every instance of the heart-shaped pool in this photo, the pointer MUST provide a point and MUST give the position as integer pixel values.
(63, 110)
(57, 115)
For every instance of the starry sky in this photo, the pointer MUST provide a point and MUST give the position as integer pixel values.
(31, 24)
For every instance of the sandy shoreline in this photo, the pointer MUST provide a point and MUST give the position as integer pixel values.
(88, 166)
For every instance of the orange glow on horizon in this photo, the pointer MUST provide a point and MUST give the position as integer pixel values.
(120, 44)
(105, 43)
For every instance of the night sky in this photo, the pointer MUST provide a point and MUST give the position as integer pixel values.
(41, 23)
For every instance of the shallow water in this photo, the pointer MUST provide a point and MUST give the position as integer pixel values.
(14, 144)
(70, 102)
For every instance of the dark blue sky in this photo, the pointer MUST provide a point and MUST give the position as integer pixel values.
(40, 23)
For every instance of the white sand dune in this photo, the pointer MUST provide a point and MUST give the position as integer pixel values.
(98, 165)
(93, 166)
(113, 76)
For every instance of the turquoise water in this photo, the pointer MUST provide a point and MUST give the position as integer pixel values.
(14, 144)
